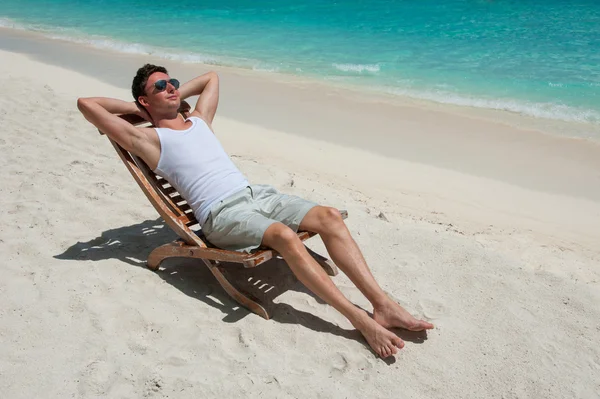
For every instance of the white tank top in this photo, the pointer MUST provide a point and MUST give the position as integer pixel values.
(195, 163)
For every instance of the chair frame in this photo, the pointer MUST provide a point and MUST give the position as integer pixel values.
(178, 215)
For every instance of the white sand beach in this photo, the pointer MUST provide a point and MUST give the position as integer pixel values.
(485, 224)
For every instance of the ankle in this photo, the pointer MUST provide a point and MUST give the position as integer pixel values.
(381, 302)
(361, 321)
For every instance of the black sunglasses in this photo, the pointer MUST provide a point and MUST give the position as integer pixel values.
(161, 85)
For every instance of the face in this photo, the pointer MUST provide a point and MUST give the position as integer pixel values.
(156, 98)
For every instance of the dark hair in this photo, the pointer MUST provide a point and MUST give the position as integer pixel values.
(141, 78)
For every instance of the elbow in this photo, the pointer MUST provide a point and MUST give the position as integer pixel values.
(85, 105)
(82, 104)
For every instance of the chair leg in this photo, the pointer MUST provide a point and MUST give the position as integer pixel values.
(170, 250)
(233, 292)
(327, 265)
(175, 249)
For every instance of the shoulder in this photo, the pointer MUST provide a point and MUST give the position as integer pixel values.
(198, 118)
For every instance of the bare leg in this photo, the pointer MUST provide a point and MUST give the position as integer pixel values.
(286, 242)
(347, 256)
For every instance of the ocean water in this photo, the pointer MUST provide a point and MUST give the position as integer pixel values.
(540, 58)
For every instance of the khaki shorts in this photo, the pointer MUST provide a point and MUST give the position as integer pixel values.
(239, 222)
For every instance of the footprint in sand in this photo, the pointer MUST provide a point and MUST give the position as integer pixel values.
(410, 262)
(432, 309)
(339, 364)
(243, 340)
(84, 164)
(176, 361)
(363, 368)
(96, 379)
(351, 362)
(139, 348)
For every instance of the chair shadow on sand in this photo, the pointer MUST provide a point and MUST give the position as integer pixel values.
(132, 245)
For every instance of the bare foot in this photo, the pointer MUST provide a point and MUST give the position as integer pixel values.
(393, 315)
(385, 343)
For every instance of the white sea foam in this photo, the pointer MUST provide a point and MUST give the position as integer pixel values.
(264, 68)
(358, 68)
(9, 23)
(535, 109)
(105, 43)
(136, 48)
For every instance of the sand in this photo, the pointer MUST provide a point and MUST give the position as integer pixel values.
(488, 229)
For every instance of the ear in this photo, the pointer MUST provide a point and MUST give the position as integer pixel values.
(143, 100)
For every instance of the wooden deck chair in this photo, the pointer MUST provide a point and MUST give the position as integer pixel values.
(191, 243)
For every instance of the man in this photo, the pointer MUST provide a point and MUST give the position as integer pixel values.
(233, 214)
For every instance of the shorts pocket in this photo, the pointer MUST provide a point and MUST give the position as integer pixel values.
(260, 191)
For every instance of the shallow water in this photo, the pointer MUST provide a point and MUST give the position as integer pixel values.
(533, 57)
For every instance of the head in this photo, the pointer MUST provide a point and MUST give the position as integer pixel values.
(153, 89)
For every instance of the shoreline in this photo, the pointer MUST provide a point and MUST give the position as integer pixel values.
(31, 40)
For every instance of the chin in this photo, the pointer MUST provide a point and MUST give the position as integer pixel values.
(174, 108)
(172, 105)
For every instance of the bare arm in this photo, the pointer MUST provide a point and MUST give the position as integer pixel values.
(207, 87)
(102, 113)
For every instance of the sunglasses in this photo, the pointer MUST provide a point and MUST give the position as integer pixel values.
(161, 85)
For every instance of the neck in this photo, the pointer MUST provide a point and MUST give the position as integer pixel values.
(176, 122)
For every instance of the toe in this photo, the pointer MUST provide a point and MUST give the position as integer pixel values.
(420, 325)
(389, 351)
(384, 352)
(398, 343)
(425, 325)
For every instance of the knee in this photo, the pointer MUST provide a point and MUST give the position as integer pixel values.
(330, 219)
(331, 215)
(281, 238)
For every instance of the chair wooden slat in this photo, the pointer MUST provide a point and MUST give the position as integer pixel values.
(173, 198)
(185, 208)
(167, 190)
(165, 198)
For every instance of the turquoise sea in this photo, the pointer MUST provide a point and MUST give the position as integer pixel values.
(539, 58)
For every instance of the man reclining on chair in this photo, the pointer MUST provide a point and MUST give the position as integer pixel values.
(233, 214)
